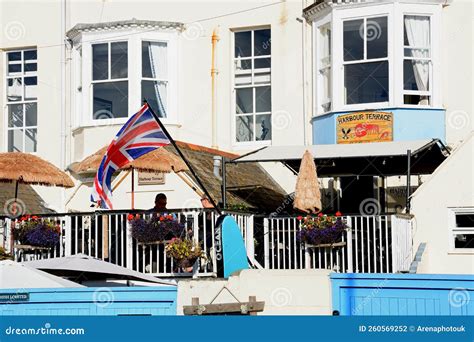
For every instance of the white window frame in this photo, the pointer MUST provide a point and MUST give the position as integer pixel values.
(23, 102)
(453, 230)
(134, 38)
(248, 144)
(395, 13)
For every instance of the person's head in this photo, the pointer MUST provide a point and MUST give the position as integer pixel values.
(160, 201)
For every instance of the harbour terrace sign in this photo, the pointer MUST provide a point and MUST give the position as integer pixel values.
(364, 127)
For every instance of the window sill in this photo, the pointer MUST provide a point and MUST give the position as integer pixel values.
(250, 145)
(468, 251)
(117, 122)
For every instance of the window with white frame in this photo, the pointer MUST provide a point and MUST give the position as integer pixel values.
(110, 80)
(365, 60)
(417, 60)
(116, 71)
(462, 229)
(323, 61)
(252, 85)
(22, 100)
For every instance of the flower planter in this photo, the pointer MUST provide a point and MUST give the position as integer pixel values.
(325, 245)
(156, 230)
(37, 233)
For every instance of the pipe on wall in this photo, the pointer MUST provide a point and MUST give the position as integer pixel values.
(214, 72)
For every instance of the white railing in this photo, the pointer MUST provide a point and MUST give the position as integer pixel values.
(107, 236)
(372, 244)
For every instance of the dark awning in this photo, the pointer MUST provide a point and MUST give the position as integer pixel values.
(370, 159)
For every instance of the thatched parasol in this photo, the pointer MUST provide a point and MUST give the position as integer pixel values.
(159, 160)
(307, 193)
(29, 169)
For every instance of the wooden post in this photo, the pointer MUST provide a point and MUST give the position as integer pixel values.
(105, 237)
(252, 301)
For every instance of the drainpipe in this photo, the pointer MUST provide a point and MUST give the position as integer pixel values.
(214, 40)
(63, 100)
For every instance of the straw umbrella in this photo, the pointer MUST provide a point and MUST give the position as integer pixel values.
(29, 169)
(307, 192)
(159, 160)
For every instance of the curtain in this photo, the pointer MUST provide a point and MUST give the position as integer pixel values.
(159, 69)
(417, 29)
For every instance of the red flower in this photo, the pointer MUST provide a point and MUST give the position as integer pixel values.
(299, 218)
(130, 217)
(34, 217)
(162, 218)
(338, 213)
(320, 215)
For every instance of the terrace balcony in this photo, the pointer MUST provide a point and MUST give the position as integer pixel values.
(371, 244)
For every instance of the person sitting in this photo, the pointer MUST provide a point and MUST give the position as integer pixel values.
(160, 202)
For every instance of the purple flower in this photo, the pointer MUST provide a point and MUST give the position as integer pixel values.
(154, 229)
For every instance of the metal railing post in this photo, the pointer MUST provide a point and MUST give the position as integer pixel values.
(350, 266)
(67, 236)
(249, 236)
(129, 246)
(393, 232)
(266, 243)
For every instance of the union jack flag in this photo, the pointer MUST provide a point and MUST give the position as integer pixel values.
(141, 134)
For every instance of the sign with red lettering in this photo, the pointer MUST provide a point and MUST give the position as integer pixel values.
(364, 127)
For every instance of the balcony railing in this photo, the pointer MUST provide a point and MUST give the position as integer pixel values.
(373, 244)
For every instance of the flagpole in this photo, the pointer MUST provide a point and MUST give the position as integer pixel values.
(184, 158)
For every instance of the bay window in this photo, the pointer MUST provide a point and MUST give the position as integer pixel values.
(118, 70)
(252, 85)
(21, 100)
(375, 55)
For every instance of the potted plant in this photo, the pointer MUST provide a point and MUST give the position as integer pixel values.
(322, 230)
(185, 252)
(156, 229)
(37, 232)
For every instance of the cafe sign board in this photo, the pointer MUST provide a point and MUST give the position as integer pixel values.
(364, 127)
(151, 178)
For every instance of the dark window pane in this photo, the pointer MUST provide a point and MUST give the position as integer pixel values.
(465, 220)
(366, 82)
(14, 56)
(15, 115)
(243, 44)
(100, 57)
(353, 40)
(464, 241)
(15, 140)
(244, 99)
(411, 99)
(31, 140)
(376, 35)
(119, 60)
(31, 67)
(31, 114)
(110, 100)
(14, 68)
(30, 54)
(244, 127)
(261, 63)
(263, 127)
(151, 91)
(262, 42)
(263, 99)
